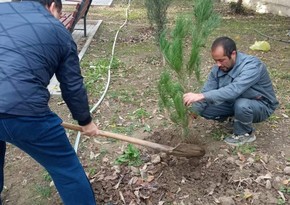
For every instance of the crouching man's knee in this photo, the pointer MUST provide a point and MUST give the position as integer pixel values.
(198, 108)
(243, 107)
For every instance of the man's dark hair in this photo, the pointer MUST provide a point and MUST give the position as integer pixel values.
(227, 43)
(58, 3)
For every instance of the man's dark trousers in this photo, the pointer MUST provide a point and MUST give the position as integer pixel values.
(44, 139)
(245, 111)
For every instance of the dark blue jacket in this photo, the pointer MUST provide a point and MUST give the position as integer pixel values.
(33, 46)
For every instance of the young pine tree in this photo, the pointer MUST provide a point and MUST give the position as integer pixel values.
(181, 50)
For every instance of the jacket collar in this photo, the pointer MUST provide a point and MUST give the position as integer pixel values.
(235, 70)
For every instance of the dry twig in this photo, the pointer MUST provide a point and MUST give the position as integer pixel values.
(270, 37)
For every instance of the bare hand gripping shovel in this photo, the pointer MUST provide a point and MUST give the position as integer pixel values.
(181, 150)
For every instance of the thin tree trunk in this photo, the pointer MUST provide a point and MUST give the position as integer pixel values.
(239, 4)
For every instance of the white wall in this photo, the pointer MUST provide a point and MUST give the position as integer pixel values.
(280, 7)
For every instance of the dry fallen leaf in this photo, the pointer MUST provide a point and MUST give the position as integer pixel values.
(282, 195)
(150, 178)
(286, 181)
(183, 180)
(133, 180)
(184, 197)
(241, 157)
(285, 116)
(216, 200)
(132, 202)
(122, 197)
(93, 155)
(247, 194)
(208, 164)
(107, 178)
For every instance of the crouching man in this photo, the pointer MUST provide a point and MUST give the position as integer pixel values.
(238, 85)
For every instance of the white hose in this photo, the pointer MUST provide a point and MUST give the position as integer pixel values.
(109, 74)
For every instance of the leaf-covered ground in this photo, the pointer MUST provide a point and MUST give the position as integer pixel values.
(252, 174)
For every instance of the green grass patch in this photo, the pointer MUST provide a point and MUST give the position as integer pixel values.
(124, 129)
(218, 134)
(95, 72)
(131, 156)
(281, 201)
(137, 14)
(285, 189)
(125, 96)
(92, 171)
(147, 128)
(103, 152)
(43, 190)
(244, 149)
(126, 49)
(140, 113)
(276, 73)
(46, 176)
(273, 118)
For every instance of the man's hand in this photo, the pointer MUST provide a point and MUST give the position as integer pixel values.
(189, 98)
(90, 129)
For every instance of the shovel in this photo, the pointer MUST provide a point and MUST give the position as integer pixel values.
(181, 150)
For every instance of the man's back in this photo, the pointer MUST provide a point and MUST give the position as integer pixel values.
(33, 45)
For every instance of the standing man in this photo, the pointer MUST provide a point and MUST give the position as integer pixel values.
(238, 85)
(34, 46)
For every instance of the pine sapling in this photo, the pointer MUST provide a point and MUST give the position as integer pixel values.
(183, 61)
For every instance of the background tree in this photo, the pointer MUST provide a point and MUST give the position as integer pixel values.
(183, 61)
(156, 12)
(237, 7)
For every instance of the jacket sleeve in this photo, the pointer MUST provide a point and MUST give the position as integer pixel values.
(72, 86)
(212, 81)
(248, 76)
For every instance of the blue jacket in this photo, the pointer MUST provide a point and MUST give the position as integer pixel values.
(33, 46)
(248, 78)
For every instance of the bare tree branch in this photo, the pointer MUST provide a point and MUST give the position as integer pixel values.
(270, 37)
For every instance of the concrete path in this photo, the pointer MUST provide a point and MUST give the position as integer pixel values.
(102, 2)
(94, 2)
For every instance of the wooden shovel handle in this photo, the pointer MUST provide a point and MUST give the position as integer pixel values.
(72, 126)
(153, 145)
